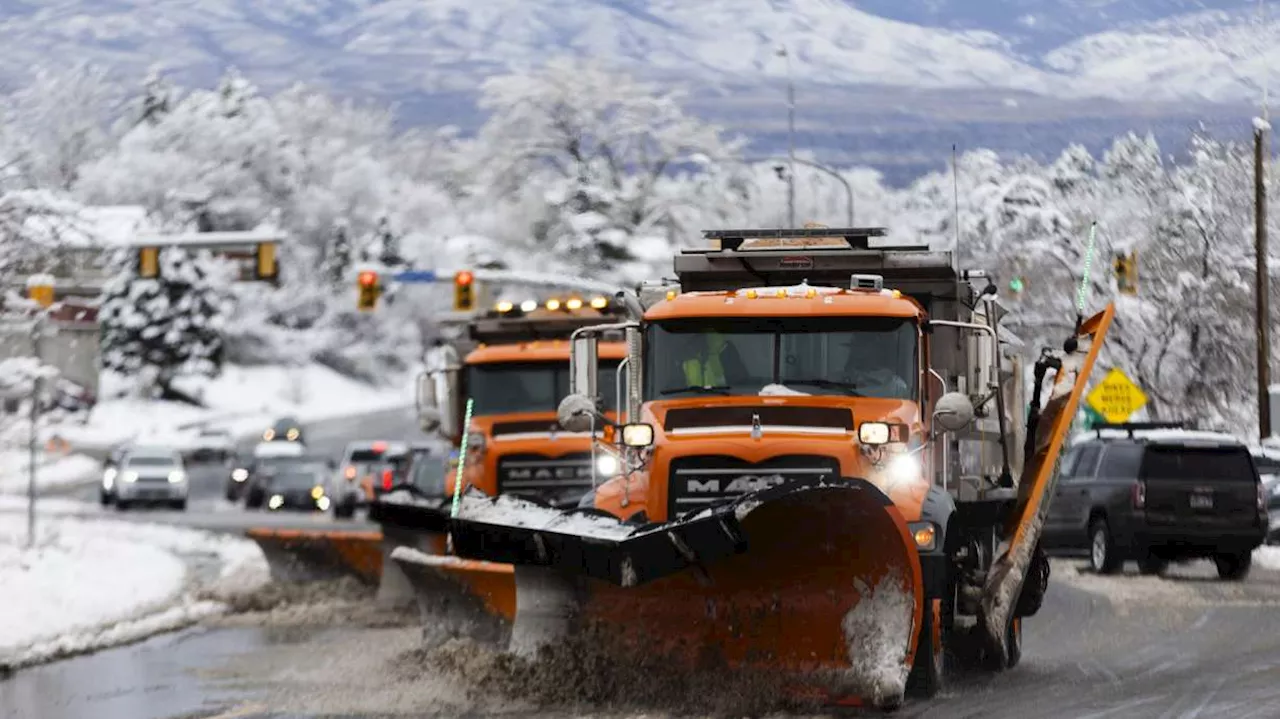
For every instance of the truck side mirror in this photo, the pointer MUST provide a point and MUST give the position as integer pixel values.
(426, 401)
(584, 366)
(953, 412)
(449, 403)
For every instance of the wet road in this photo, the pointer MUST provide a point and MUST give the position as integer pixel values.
(207, 507)
(1180, 647)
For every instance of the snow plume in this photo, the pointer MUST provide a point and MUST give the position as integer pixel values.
(877, 631)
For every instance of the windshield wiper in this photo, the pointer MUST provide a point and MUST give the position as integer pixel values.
(713, 389)
(849, 387)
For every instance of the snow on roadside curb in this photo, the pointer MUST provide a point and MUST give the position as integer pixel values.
(1267, 557)
(92, 584)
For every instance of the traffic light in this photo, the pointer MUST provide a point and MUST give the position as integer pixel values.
(369, 290)
(265, 261)
(1017, 285)
(149, 262)
(1126, 269)
(464, 291)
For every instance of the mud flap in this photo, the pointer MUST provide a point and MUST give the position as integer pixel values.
(1020, 535)
(817, 581)
(295, 555)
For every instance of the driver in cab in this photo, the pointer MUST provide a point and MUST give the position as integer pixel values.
(714, 363)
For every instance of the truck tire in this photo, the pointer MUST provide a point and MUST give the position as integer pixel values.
(928, 671)
(1233, 567)
(1103, 556)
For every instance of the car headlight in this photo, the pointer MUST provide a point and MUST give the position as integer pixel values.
(292, 434)
(109, 477)
(177, 476)
(317, 492)
(239, 474)
(269, 435)
(323, 503)
(276, 501)
(606, 465)
(129, 477)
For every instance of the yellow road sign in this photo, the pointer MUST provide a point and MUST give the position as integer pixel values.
(1116, 397)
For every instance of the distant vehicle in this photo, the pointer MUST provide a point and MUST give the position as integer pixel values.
(1159, 494)
(285, 429)
(245, 481)
(147, 475)
(1268, 461)
(367, 469)
(211, 445)
(427, 467)
(299, 485)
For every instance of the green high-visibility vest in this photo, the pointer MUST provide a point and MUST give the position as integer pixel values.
(707, 372)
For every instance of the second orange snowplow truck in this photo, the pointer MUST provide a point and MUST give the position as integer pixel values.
(822, 480)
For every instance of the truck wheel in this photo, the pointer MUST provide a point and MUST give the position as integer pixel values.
(1102, 548)
(991, 660)
(1152, 565)
(1233, 567)
(928, 671)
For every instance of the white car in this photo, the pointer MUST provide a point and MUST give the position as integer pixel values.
(148, 475)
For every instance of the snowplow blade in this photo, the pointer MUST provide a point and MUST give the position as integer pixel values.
(295, 555)
(460, 597)
(1021, 532)
(456, 597)
(816, 584)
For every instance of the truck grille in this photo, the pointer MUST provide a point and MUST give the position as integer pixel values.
(559, 480)
(698, 482)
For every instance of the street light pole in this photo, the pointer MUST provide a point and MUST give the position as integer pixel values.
(791, 139)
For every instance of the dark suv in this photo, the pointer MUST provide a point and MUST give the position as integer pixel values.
(1156, 494)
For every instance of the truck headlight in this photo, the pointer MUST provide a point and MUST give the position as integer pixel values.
(606, 465)
(873, 433)
(638, 434)
(903, 468)
(177, 477)
(276, 501)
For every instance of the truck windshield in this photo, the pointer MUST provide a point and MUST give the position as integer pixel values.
(844, 356)
(508, 388)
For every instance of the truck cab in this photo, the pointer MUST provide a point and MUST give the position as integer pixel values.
(514, 371)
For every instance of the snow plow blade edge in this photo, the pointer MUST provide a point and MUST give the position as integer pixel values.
(305, 555)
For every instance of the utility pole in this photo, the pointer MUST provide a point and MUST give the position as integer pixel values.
(1261, 289)
(791, 139)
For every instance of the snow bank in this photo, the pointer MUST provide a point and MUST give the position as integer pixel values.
(87, 585)
(1267, 557)
(242, 399)
(52, 471)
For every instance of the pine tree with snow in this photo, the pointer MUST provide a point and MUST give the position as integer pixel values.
(160, 328)
(157, 98)
(338, 258)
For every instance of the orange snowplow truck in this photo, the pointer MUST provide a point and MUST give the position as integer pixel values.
(822, 478)
(515, 373)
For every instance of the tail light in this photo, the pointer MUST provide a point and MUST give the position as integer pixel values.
(349, 472)
(386, 479)
(1139, 494)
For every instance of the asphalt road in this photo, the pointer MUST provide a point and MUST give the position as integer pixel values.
(1174, 648)
(207, 507)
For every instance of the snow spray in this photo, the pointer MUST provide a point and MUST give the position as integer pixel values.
(462, 465)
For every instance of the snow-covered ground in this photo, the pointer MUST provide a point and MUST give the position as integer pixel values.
(51, 471)
(243, 400)
(89, 584)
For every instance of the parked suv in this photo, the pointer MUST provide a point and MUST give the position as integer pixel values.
(1156, 494)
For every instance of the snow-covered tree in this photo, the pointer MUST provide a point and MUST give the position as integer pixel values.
(157, 98)
(595, 146)
(59, 122)
(156, 329)
(39, 230)
(338, 258)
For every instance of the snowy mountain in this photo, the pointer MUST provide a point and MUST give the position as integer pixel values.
(1112, 48)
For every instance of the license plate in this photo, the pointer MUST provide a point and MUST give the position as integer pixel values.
(1202, 501)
